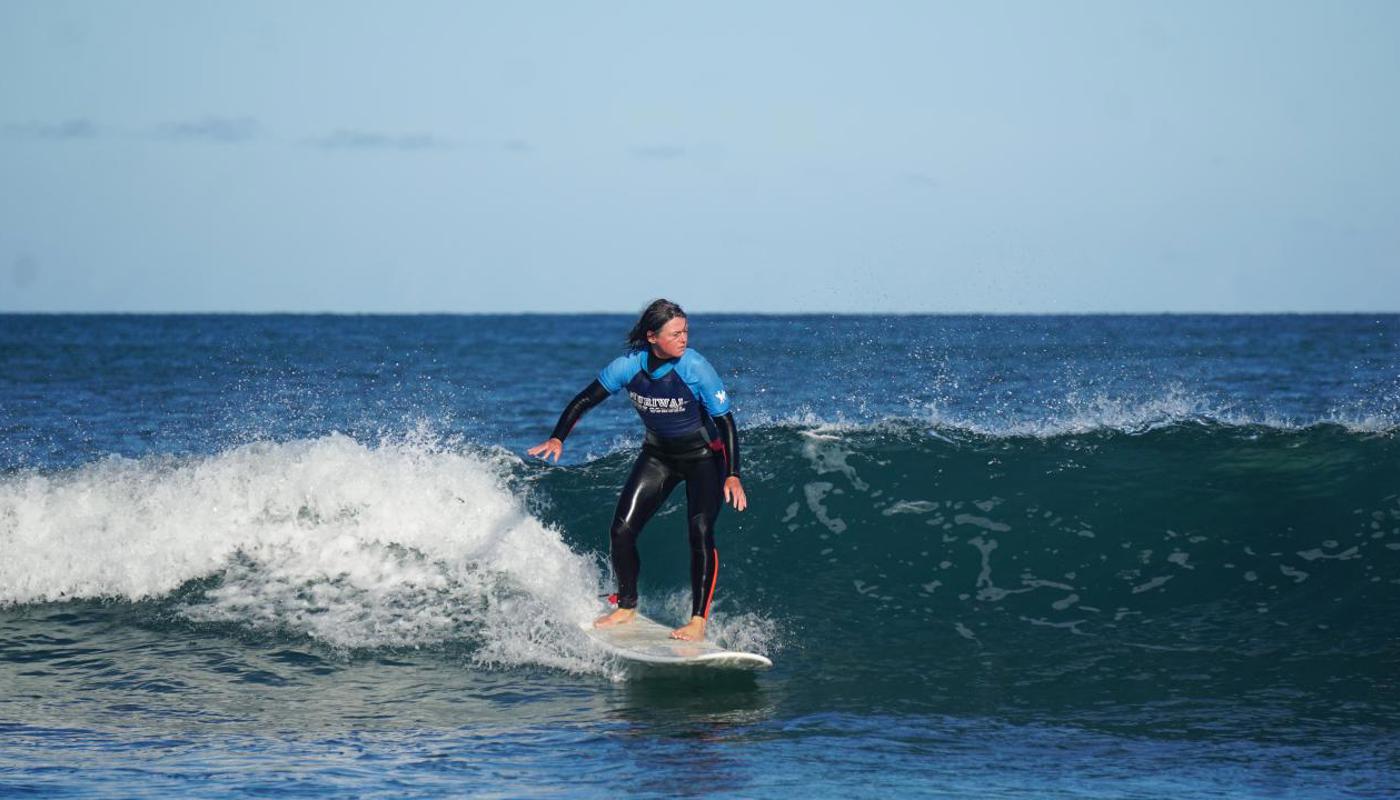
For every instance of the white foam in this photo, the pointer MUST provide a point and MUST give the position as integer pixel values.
(748, 632)
(1078, 413)
(398, 544)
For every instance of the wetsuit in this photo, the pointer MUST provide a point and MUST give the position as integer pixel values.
(690, 437)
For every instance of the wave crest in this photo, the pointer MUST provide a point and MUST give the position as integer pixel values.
(400, 544)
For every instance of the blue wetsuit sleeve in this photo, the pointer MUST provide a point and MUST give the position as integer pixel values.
(704, 382)
(617, 373)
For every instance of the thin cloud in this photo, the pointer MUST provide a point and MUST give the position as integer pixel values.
(212, 129)
(922, 179)
(24, 271)
(372, 140)
(78, 128)
(658, 151)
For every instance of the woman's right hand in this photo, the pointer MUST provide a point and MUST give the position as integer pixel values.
(546, 449)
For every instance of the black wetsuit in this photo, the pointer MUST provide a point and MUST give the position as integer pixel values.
(691, 437)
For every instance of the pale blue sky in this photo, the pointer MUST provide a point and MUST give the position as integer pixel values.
(872, 157)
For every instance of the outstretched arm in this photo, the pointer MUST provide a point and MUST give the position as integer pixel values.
(591, 396)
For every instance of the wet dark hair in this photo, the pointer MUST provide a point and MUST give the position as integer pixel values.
(654, 318)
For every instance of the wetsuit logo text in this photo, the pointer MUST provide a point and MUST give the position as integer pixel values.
(658, 405)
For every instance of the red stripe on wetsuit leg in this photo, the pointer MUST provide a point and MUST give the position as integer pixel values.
(716, 445)
(713, 580)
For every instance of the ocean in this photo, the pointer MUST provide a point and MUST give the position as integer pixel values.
(990, 556)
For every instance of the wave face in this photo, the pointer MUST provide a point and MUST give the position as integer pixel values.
(945, 565)
(891, 565)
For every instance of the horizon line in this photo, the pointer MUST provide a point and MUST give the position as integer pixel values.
(706, 312)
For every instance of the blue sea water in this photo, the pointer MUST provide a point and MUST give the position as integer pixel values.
(1098, 557)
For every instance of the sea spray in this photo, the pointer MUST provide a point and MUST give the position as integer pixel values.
(397, 544)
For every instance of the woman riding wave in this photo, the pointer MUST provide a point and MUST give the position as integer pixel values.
(691, 437)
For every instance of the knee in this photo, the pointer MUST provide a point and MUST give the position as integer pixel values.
(621, 531)
(702, 530)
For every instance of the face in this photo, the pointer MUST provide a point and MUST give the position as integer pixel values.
(670, 341)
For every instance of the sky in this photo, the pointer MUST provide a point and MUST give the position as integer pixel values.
(921, 157)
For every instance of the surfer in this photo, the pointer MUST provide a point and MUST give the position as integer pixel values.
(690, 437)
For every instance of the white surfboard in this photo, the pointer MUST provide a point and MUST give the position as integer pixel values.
(648, 642)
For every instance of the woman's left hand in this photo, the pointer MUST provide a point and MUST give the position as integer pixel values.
(734, 493)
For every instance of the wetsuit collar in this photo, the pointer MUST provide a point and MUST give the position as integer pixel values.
(654, 364)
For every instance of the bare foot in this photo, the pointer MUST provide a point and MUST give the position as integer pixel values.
(617, 617)
(692, 631)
